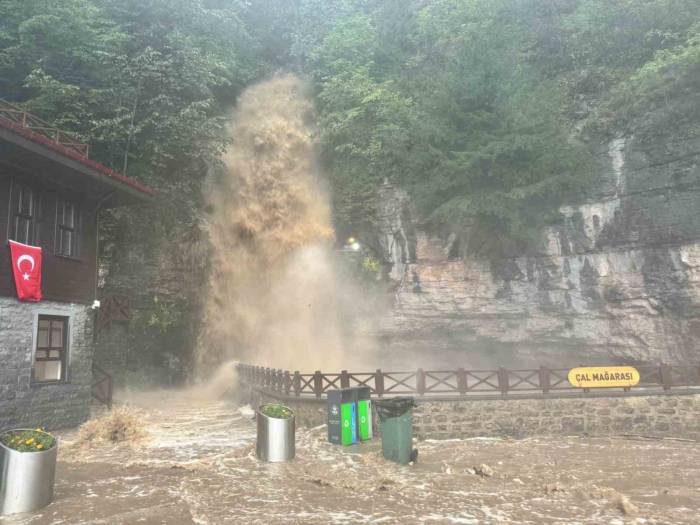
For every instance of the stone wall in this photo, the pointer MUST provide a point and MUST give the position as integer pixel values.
(53, 406)
(657, 415)
(675, 414)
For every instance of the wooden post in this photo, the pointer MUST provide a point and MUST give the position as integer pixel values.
(420, 382)
(110, 391)
(296, 383)
(665, 372)
(544, 379)
(280, 380)
(503, 380)
(379, 382)
(461, 381)
(318, 383)
(287, 382)
(344, 379)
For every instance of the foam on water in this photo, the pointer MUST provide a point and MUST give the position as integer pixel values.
(199, 466)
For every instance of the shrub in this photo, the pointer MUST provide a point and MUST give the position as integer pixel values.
(277, 411)
(28, 440)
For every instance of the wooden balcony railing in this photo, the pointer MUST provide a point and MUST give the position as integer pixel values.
(17, 115)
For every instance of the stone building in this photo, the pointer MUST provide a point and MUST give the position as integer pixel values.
(50, 197)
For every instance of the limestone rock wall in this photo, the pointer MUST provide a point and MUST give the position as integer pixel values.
(617, 278)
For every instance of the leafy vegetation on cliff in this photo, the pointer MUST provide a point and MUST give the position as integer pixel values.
(474, 105)
(490, 112)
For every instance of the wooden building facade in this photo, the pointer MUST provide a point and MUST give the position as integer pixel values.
(51, 194)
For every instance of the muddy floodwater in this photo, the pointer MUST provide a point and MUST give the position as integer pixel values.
(197, 466)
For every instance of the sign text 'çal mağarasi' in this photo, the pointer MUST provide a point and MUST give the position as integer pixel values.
(603, 376)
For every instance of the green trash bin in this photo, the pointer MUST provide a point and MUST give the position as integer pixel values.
(364, 414)
(342, 416)
(396, 426)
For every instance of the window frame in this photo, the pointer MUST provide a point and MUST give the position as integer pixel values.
(64, 351)
(76, 230)
(17, 190)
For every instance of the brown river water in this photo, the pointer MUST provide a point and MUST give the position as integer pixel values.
(197, 465)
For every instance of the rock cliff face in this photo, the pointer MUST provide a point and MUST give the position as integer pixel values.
(617, 279)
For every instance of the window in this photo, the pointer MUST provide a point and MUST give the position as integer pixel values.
(24, 209)
(67, 234)
(50, 358)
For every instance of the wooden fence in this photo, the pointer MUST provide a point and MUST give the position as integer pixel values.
(460, 382)
(102, 386)
(26, 120)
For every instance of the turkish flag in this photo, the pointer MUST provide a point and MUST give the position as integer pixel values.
(26, 266)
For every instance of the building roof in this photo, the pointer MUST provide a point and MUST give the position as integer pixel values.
(22, 128)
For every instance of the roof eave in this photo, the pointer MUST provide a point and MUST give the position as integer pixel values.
(26, 139)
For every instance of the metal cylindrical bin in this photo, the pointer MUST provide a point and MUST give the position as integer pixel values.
(276, 437)
(26, 479)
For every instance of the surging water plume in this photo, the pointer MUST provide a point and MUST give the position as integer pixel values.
(272, 297)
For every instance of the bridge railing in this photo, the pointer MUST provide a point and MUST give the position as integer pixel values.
(459, 382)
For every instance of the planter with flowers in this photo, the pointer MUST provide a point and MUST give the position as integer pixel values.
(276, 433)
(27, 470)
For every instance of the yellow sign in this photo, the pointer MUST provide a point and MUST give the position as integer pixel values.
(603, 376)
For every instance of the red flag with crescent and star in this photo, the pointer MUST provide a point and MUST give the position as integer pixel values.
(26, 266)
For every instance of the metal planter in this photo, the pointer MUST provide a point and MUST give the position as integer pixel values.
(26, 479)
(276, 437)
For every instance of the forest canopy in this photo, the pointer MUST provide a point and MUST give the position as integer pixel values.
(484, 110)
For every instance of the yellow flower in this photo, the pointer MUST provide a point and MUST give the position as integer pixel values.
(29, 441)
(40, 446)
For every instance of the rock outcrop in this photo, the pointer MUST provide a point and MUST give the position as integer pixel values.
(617, 279)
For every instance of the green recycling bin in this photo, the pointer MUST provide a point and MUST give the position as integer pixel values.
(364, 413)
(342, 416)
(396, 426)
